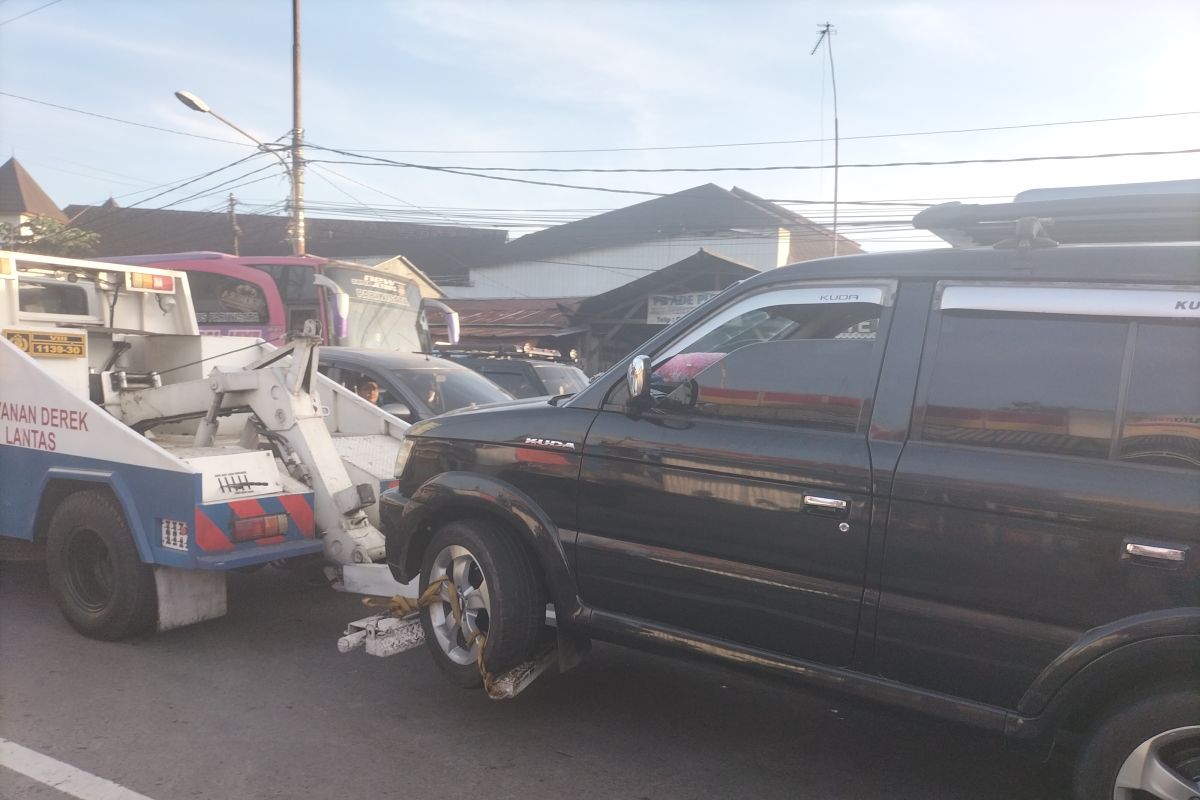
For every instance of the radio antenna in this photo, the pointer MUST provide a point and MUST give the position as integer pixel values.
(827, 32)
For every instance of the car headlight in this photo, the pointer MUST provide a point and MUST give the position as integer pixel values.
(406, 448)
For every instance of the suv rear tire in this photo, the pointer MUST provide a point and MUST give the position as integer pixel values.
(1154, 739)
(499, 591)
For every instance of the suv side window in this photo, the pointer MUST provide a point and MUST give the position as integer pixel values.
(1023, 382)
(796, 357)
(1161, 423)
(1095, 371)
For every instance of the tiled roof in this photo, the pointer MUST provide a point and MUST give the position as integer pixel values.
(20, 194)
(699, 211)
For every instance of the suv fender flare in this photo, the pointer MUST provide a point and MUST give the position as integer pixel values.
(452, 495)
(1157, 646)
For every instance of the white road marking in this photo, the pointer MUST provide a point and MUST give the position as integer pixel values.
(63, 777)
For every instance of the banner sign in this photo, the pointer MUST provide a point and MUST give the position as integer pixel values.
(663, 309)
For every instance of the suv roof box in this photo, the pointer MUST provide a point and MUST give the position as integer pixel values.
(1084, 215)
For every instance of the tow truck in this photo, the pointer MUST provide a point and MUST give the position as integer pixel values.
(147, 460)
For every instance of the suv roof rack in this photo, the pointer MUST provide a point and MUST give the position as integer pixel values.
(1171, 216)
(504, 351)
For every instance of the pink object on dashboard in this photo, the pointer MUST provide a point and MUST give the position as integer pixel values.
(684, 366)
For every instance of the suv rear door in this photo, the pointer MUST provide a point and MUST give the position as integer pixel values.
(1055, 427)
(739, 507)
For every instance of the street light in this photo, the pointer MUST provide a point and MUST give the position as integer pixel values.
(294, 171)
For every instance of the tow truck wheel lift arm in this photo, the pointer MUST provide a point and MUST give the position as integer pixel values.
(280, 394)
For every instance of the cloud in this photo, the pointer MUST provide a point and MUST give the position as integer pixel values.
(642, 67)
(932, 26)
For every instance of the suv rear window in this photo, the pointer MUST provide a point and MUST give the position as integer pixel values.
(1112, 387)
(1161, 423)
(1024, 382)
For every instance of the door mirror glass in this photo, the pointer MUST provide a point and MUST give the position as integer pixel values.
(400, 410)
(637, 378)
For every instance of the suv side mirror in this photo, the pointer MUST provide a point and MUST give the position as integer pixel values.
(400, 410)
(637, 380)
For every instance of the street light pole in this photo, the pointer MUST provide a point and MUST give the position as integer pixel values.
(298, 238)
(196, 104)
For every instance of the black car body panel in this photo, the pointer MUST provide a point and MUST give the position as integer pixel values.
(524, 377)
(883, 531)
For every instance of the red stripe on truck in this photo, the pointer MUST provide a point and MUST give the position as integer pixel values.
(247, 508)
(301, 512)
(209, 537)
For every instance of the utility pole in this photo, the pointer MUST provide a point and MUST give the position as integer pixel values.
(827, 31)
(233, 224)
(298, 239)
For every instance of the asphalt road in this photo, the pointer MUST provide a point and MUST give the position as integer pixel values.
(261, 705)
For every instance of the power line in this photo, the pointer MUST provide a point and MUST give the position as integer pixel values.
(369, 160)
(118, 119)
(785, 141)
(465, 170)
(451, 256)
(109, 212)
(27, 13)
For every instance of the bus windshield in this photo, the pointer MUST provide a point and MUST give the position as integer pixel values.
(385, 313)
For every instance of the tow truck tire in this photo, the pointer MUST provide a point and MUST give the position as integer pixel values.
(101, 585)
(503, 587)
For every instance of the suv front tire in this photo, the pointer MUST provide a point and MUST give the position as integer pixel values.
(499, 593)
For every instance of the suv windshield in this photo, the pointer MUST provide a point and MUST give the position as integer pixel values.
(442, 389)
(561, 379)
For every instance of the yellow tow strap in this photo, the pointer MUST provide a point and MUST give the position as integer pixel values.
(401, 606)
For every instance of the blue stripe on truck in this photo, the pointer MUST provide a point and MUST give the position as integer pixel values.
(147, 495)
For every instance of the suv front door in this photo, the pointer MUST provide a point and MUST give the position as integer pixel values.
(738, 506)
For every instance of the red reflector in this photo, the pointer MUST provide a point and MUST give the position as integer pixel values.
(259, 527)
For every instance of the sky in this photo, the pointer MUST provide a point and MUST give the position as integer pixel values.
(409, 81)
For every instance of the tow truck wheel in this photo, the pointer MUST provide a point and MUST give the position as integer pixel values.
(499, 593)
(100, 583)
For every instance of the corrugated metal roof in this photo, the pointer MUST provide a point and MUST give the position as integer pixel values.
(512, 318)
(435, 249)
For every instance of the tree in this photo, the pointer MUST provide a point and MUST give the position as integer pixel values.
(47, 237)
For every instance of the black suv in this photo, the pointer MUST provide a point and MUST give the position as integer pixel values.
(522, 376)
(963, 481)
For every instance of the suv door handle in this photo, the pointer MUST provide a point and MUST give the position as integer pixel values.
(826, 506)
(1155, 553)
(831, 503)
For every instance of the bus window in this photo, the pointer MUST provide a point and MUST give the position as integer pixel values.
(225, 300)
(295, 283)
(384, 313)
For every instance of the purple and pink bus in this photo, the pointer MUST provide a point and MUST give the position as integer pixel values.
(270, 296)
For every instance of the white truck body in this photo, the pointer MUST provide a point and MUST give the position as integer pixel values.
(221, 452)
